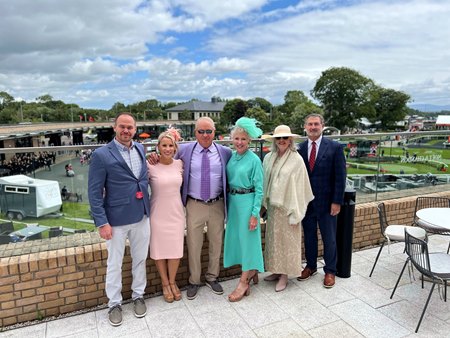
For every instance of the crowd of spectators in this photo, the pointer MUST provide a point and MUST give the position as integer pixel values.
(27, 163)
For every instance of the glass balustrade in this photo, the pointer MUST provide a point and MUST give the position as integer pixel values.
(51, 198)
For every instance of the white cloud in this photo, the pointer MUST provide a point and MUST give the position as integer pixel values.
(395, 44)
(169, 40)
(217, 10)
(99, 52)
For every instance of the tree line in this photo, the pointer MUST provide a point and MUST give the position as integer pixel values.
(343, 96)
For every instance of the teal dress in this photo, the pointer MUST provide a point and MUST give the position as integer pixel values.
(243, 246)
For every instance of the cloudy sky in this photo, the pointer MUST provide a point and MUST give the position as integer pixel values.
(98, 52)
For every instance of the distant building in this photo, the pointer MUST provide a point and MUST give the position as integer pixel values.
(363, 123)
(197, 109)
(443, 122)
(416, 123)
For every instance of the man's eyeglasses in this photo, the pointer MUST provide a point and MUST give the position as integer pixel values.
(204, 131)
(283, 137)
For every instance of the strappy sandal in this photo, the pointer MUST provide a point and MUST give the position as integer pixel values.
(254, 277)
(175, 291)
(167, 293)
(235, 296)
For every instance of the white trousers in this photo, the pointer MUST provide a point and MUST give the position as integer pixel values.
(138, 235)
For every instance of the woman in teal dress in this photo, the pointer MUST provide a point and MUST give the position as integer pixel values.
(245, 192)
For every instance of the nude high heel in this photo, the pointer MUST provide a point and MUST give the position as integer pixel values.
(175, 291)
(273, 277)
(235, 296)
(282, 283)
(254, 277)
(167, 293)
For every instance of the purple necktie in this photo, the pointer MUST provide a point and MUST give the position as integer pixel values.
(205, 190)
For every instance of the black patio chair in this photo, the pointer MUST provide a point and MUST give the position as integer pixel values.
(394, 233)
(423, 202)
(435, 266)
(6, 228)
(5, 239)
(55, 232)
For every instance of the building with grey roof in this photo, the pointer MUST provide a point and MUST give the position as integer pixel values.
(197, 109)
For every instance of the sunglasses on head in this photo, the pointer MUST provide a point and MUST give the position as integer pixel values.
(203, 131)
(283, 137)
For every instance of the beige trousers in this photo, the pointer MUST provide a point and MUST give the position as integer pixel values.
(199, 215)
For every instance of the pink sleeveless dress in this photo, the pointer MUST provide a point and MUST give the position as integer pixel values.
(167, 218)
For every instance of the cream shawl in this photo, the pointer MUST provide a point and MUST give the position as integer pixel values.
(286, 184)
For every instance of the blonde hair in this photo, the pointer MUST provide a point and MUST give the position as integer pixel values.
(169, 135)
(292, 146)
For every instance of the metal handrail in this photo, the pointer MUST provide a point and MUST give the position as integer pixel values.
(375, 136)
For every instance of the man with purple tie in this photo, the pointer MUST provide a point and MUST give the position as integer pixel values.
(204, 195)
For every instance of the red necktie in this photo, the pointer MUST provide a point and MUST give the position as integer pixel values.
(312, 156)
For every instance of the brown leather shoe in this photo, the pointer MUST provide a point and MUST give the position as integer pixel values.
(307, 273)
(328, 281)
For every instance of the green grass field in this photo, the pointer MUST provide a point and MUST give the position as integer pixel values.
(396, 167)
(398, 151)
(72, 216)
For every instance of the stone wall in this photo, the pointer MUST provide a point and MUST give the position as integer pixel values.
(70, 275)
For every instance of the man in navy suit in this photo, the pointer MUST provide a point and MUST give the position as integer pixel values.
(327, 175)
(120, 206)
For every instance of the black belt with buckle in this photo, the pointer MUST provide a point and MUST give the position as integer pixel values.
(211, 200)
(240, 191)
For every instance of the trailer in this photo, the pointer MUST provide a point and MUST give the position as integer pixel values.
(22, 196)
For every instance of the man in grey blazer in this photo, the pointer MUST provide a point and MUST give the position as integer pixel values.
(200, 211)
(119, 201)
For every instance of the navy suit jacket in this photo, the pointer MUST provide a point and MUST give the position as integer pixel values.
(184, 153)
(328, 177)
(112, 187)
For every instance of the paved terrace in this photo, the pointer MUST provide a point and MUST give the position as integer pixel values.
(358, 306)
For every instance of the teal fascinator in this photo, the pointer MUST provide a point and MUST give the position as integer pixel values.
(249, 125)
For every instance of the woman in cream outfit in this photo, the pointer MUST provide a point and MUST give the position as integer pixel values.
(287, 192)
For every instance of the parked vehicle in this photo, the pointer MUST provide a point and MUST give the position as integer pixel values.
(22, 196)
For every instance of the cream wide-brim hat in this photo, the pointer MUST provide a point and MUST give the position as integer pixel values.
(281, 131)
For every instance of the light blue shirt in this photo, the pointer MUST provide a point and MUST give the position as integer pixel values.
(131, 157)
(196, 172)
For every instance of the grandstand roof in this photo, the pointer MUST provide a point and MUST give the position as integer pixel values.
(443, 120)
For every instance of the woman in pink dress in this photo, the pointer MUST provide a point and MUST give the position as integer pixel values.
(167, 219)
